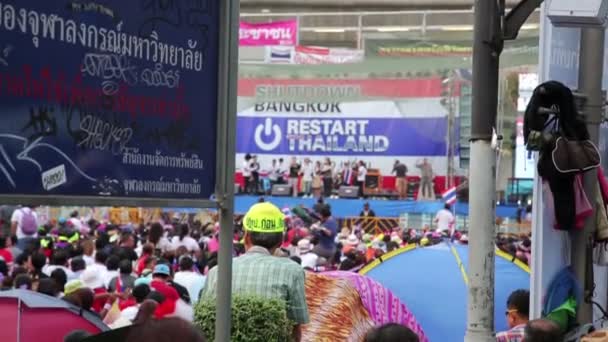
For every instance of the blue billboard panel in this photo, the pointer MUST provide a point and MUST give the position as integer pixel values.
(112, 98)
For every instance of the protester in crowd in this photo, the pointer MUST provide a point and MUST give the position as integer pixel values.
(162, 273)
(60, 278)
(246, 170)
(157, 238)
(326, 232)
(48, 287)
(445, 220)
(23, 282)
(24, 225)
(542, 330)
(189, 278)
(308, 174)
(258, 272)
(59, 260)
(126, 248)
(320, 205)
(77, 336)
(140, 293)
(391, 332)
(361, 174)
(308, 259)
(35, 265)
(295, 170)
(165, 330)
(327, 176)
(426, 180)
(317, 180)
(88, 251)
(400, 171)
(518, 308)
(184, 240)
(255, 174)
(5, 252)
(77, 266)
(112, 265)
(367, 212)
(125, 280)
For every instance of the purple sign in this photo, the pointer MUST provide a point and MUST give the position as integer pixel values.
(342, 136)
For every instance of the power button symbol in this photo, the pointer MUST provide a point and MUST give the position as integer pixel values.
(267, 130)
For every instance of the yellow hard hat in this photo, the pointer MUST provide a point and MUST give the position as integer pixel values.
(264, 218)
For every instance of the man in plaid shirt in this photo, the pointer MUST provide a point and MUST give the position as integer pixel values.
(518, 307)
(258, 272)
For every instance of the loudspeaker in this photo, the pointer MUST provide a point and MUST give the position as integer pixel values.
(281, 190)
(348, 191)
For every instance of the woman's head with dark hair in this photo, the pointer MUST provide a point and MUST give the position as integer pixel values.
(391, 332)
(113, 263)
(165, 330)
(48, 287)
(156, 232)
(78, 264)
(184, 230)
(59, 258)
(103, 239)
(60, 278)
(76, 336)
(126, 267)
(17, 271)
(23, 282)
(141, 292)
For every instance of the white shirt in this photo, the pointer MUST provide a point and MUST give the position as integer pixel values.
(246, 169)
(307, 171)
(109, 276)
(48, 269)
(192, 281)
(76, 223)
(362, 172)
(188, 242)
(88, 260)
(100, 269)
(445, 219)
(309, 260)
(16, 218)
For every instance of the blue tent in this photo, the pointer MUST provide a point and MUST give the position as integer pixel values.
(432, 282)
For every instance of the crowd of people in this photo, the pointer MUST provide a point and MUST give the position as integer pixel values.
(165, 267)
(324, 177)
(169, 265)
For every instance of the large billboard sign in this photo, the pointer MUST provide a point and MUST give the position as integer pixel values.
(108, 100)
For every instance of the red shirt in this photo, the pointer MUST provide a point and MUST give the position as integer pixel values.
(99, 303)
(6, 255)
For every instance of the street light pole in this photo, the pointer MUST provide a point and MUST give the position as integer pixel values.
(487, 46)
(492, 27)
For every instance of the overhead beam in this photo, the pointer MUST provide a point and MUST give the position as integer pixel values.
(360, 4)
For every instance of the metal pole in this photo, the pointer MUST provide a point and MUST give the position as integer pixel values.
(487, 45)
(591, 63)
(228, 73)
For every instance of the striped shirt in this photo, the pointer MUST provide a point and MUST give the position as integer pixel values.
(514, 335)
(259, 273)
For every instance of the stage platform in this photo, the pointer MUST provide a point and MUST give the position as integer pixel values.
(352, 207)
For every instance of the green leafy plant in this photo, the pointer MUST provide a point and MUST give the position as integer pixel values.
(254, 319)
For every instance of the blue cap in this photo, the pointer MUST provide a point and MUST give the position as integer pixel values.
(142, 281)
(162, 269)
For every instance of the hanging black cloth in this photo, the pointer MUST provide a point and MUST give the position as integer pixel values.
(552, 110)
